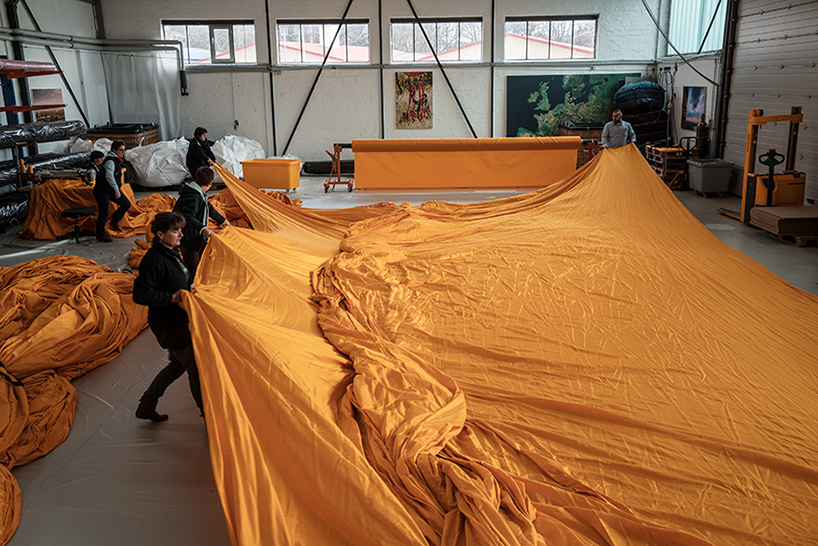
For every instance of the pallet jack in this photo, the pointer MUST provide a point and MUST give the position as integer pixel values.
(336, 168)
(773, 189)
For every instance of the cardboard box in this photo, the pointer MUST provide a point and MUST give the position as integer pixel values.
(272, 174)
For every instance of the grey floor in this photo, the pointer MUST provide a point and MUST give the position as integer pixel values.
(118, 480)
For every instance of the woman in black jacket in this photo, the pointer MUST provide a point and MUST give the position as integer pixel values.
(162, 278)
(194, 206)
(199, 153)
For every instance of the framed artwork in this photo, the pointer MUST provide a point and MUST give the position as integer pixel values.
(693, 104)
(48, 97)
(538, 105)
(413, 100)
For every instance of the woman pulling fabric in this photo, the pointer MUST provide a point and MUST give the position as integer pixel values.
(194, 206)
(162, 278)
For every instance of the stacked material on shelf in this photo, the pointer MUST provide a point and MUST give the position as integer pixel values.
(9, 170)
(40, 131)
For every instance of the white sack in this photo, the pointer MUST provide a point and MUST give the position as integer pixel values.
(101, 144)
(231, 150)
(161, 164)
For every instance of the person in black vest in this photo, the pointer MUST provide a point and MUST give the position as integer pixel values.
(193, 205)
(162, 278)
(96, 163)
(199, 153)
(107, 189)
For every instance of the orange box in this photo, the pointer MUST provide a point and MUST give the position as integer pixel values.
(272, 174)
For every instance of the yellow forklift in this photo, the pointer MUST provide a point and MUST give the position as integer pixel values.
(771, 189)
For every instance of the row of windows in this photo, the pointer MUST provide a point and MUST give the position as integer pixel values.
(461, 40)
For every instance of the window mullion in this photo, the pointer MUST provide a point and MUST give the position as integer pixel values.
(458, 41)
(187, 42)
(301, 41)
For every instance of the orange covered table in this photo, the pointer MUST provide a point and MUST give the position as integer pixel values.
(463, 163)
(48, 200)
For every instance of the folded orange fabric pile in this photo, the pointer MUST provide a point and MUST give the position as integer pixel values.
(60, 317)
(48, 200)
(584, 364)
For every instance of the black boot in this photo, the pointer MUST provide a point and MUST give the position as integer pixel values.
(147, 409)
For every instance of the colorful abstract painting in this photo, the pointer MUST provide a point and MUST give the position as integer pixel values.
(413, 100)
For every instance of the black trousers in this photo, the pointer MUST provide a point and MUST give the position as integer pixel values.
(103, 198)
(180, 351)
(191, 258)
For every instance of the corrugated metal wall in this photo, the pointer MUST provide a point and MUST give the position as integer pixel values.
(776, 68)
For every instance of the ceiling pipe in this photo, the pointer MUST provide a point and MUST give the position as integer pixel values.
(33, 37)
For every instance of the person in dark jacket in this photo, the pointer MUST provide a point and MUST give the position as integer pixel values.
(162, 278)
(107, 189)
(194, 206)
(199, 153)
(97, 158)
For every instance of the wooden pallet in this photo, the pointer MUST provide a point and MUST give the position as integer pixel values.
(672, 177)
(671, 163)
(660, 154)
(797, 240)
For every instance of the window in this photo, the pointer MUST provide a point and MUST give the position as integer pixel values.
(542, 38)
(458, 40)
(307, 42)
(690, 21)
(214, 42)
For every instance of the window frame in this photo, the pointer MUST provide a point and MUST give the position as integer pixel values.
(550, 19)
(699, 18)
(214, 58)
(212, 25)
(326, 40)
(436, 21)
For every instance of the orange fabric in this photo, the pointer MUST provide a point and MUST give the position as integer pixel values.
(463, 163)
(60, 317)
(48, 200)
(585, 364)
(223, 201)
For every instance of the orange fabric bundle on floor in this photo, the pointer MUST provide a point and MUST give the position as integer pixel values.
(48, 200)
(585, 364)
(60, 317)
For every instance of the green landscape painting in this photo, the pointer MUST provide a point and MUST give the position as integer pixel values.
(538, 105)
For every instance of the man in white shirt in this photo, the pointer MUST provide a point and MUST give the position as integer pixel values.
(617, 133)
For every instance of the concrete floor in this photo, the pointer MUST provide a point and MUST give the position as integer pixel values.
(118, 480)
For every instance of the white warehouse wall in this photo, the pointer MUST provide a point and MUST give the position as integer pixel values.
(346, 102)
(685, 76)
(82, 68)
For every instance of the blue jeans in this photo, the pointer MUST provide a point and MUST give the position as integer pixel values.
(103, 198)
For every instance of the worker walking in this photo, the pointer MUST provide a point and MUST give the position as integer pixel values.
(107, 188)
(162, 279)
(617, 133)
